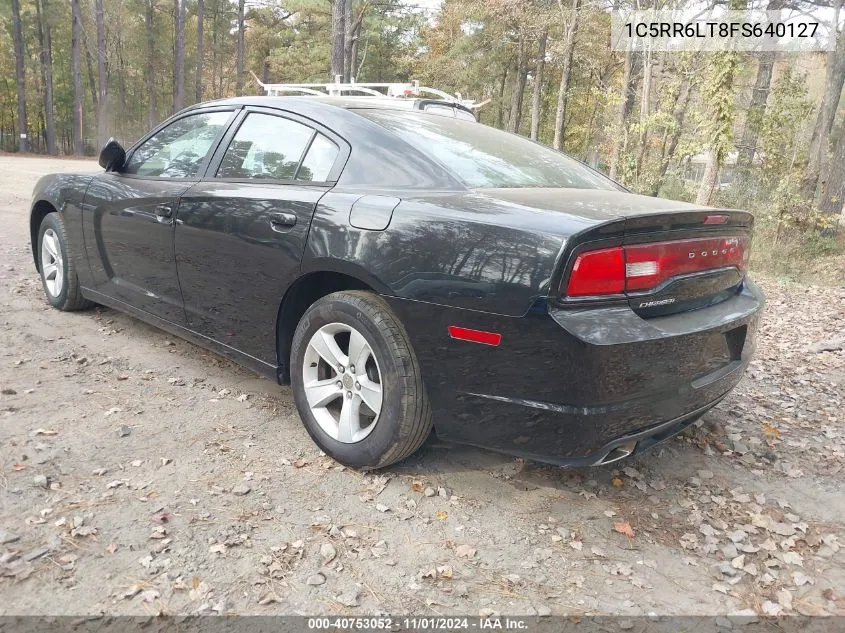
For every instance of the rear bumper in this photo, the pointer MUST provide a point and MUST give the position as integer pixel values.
(570, 387)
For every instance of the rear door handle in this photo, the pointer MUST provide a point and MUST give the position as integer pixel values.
(164, 213)
(281, 222)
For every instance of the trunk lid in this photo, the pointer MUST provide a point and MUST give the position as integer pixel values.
(699, 258)
(700, 244)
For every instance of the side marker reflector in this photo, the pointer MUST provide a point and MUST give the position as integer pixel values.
(475, 336)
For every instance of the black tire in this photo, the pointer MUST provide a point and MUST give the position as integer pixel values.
(69, 296)
(404, 421)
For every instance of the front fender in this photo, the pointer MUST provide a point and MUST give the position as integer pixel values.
(62, 193)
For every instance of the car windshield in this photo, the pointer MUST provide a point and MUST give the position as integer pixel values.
(482, 156)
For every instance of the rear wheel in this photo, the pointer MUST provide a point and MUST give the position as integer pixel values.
(356, 381)
(58, 274)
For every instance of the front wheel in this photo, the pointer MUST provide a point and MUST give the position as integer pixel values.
(58, 274)
(357, 383)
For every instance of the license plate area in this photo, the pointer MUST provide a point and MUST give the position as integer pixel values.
(727, 360)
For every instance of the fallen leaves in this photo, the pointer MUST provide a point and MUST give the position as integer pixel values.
(771, 431)
(160, 517)
(623, 527)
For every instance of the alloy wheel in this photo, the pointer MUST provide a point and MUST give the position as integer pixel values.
(342, 382)
(52, 264)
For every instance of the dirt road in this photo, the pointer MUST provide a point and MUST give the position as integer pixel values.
(141, 474)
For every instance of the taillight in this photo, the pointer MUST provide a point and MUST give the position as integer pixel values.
(645, 266)
(599, 272)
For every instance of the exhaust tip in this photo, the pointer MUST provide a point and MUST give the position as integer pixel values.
(620, 452)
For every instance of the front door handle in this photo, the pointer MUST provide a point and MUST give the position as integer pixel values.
(282, 222)
(164, 213)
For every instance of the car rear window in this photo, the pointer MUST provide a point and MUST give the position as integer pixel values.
(482, 156)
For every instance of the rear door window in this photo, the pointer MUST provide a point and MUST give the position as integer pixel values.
(266, 147)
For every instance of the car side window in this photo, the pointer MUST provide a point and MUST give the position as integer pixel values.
(319, 160)
(265, 147)
(178, 150)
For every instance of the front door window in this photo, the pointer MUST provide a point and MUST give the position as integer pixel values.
(179, 150)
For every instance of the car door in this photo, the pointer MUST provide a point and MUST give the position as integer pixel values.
(241, 231)
(131, 213)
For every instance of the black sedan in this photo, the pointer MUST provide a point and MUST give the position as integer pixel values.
(403, 270)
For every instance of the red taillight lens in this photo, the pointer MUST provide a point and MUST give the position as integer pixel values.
(646, 266)
(599, 272)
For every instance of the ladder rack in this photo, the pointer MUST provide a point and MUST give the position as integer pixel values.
(379, 89)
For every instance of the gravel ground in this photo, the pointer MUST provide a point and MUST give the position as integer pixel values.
(141, 474)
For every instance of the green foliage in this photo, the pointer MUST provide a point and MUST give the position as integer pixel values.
(718, 109)
(787, 112)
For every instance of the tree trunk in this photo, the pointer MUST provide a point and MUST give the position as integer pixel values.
(353, 54)
(538, 84)
(265, 66)
(198, 78)
(645, 109)
(747, 146)
(349, 27)
(92, 79)
(122, 122)
(152, 116)
(102, 87)
(76, 73)
(20, 76)
(589, 144)
(565, 74)
(215, 48)
(832, 199)
(668, 151)
(834, 79)
(179, 57)
(518, 93)
(357, 27)
(623, 112)
(239, 70)
(711, 175)
(45, 55)
(500, 111)
(338, 37)
(718, 82)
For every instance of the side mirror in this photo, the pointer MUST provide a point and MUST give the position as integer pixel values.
(112, 156)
